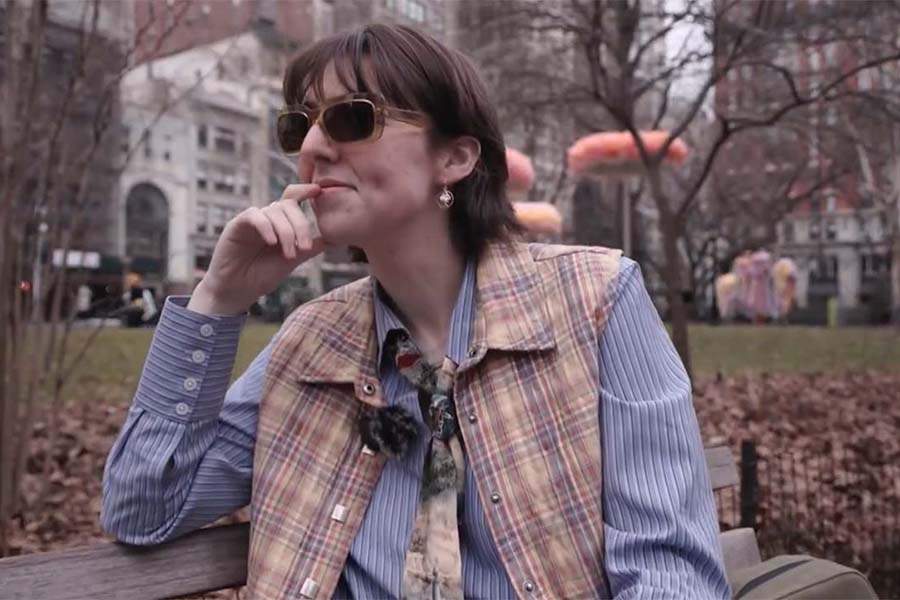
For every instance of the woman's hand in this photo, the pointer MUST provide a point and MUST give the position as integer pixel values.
(257, 250)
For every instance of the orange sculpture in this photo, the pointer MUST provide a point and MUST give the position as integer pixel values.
(539, 217)
(616, 153)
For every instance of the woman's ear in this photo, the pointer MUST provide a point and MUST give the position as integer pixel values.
(457, 159)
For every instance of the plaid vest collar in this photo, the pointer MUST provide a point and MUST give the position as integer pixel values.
(510, 315)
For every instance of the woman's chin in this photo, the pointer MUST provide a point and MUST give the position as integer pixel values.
(337, 231)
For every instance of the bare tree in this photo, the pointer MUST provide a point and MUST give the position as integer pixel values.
(59, 122)
(622, 64)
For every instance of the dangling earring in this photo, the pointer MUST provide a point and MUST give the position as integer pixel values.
(445, 200)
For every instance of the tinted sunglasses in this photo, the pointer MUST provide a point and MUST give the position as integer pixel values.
(350, 118)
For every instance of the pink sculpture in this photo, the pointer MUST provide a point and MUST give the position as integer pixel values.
(761, 300)
(521, 171)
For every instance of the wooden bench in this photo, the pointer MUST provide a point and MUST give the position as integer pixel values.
(216, 558)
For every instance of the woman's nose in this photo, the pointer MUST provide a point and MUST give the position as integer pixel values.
(317, 147)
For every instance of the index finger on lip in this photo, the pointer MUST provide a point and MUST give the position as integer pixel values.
(300, 191)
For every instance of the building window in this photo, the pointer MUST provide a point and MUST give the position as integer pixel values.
(224, 140)
(220, 217)
(815, 229)
(831, 267)
(201, 217)
(201, 261)
(202, 133)
(882, 224)
(864, 80)
(223, 180)
(202, 181)
(411, 9)
(815, 61)
(417, 11)
(147, 140)
(243, 182)
(875, 266)
(831, 203)
(787, 231)
(825, 269)
(830, 229)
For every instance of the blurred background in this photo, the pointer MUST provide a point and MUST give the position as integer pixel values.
(745, 153)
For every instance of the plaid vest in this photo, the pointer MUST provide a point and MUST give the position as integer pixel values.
(528, 400)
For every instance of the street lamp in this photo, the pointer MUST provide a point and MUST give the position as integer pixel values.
(36, 267)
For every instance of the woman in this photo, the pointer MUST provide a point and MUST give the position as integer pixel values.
(575, 468)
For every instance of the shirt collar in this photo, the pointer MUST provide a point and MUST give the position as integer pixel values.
(386, 320)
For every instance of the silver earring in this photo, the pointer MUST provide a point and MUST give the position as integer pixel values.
(445, 200)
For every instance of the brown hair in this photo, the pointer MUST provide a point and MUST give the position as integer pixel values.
(416, 72)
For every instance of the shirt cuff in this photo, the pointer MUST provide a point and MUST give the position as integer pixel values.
(188, 367)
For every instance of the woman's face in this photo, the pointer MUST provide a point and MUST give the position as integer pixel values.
(371, 190)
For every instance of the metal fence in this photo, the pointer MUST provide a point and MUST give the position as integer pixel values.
(834, 504)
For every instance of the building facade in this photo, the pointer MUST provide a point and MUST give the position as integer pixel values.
(198, 124)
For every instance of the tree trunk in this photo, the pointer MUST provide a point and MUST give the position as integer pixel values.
(671, 271)
(894, 228)
(895, 268)
(671, 274)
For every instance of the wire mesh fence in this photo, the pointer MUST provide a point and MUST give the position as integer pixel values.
(836, 504)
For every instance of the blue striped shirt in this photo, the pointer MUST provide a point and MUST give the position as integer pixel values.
(185, 456)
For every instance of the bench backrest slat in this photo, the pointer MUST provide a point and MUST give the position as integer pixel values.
(723, 472)
(202, 561)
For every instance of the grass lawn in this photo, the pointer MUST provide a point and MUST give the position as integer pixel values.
(118, 354)
(737, 349)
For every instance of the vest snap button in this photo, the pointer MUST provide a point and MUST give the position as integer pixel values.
(472, 418)
(368, 389)
(495, 498)
(472, 352)
(529, 587)
(310, 588)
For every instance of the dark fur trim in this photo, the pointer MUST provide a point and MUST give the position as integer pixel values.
(391, 430)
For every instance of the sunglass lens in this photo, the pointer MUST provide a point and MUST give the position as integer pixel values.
(292, 129)
(350, 121)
